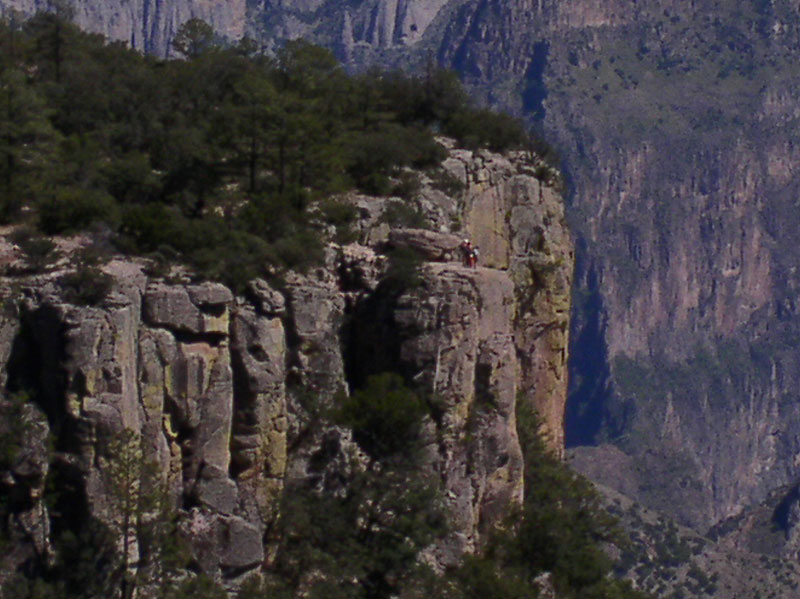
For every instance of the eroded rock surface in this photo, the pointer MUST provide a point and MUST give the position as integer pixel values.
(219, 391)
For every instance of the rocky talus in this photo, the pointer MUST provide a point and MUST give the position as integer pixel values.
(218, 389)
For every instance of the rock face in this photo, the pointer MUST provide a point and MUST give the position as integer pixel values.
(677, 124)
(680, 154)
(685, 321)
(214, 389)
(150, 25)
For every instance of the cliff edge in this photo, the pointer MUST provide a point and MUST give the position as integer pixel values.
(219, 390)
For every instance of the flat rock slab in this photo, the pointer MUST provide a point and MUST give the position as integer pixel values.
(432, 246)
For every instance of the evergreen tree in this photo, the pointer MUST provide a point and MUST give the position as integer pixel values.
(193, 38)
(52, 32)
(147, 519)
(251, 122)
(26, 141)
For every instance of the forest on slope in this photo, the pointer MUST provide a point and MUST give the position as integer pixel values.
(222, 159)
(231, 161)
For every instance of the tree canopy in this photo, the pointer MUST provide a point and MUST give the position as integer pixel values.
(217, 158)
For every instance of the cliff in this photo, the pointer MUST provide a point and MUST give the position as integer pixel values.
(150, 25)
(147, 25)
(219, 391)
(680, 156)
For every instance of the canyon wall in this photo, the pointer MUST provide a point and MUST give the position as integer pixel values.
(677, 126)
(677, 122)
(150, 25)
(219, 391)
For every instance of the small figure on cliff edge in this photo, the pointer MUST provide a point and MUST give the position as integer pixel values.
(466, 252)
(473, 257)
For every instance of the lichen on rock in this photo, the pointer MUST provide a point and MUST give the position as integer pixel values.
(223, 393)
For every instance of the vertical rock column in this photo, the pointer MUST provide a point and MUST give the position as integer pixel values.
(258, 446)
(189, 336)
(456, 340)
(518, 222)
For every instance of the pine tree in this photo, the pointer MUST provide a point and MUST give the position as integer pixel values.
(26, 140)
(147, 519)
(193, 38)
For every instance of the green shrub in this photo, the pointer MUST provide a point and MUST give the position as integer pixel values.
(86, 286)
(542, 173)
(401, 214)
(131, 179)
(407, 186)
(474, 129)
(479, 578)
(446, 183)
(148, 227)
(337, 213)
(375, 155)
(15, 427)
(40, 252)
(270, 217)
(236, 261)
(341, 215)
(375, 184)
(385, 415)
(404, 269)
(300, 251)
(537, 145)
(72, 209)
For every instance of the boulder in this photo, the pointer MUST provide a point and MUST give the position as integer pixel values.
(431, 246)
(268, 301)
(194, 309)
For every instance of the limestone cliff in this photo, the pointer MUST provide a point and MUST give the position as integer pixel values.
(217, 389)
(677, 123)
(150, 25)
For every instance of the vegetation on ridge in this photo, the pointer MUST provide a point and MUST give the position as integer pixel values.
(223, 159)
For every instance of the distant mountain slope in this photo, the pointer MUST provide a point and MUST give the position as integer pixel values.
(149, 25)
(672, 561)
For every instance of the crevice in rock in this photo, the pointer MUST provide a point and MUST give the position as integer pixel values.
(213, 339)
(231, 573)
(34, 367)
(71, 519)
(293, 342)
(215, 310)
(244, 422)
(589, 369)
(786, 512)
(184, 435)
(483, 394)
(371, 338)
(535, 92)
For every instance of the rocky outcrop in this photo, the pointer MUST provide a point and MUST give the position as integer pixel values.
(681, 202)
(220, 392)
(676, 123)
(680, 155)
(457, 335)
